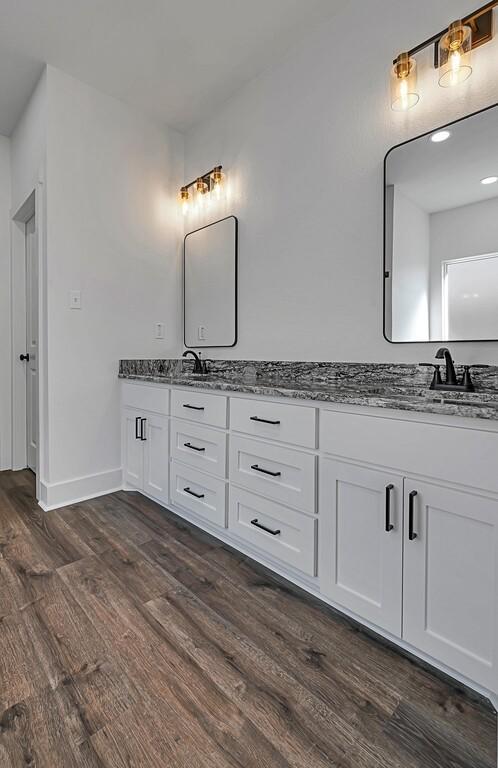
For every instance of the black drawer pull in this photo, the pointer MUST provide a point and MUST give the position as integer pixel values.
(389, 490)
(193, 447)
(264, 528)
(143, 433)
(137, 432)
(193, 407)
(265, 471)
(193, 493)
(264, 421)
(411, 511)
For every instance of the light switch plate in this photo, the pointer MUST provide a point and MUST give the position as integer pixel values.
(159, 330)
(75, 300)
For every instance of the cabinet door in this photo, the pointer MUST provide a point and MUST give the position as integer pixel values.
(133, 454)
(451, 579)
(361, 541)
(156, 456)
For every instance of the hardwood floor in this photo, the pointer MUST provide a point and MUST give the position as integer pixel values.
(129, 639)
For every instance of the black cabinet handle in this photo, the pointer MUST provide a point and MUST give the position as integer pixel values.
(193, 493)
(137, 431)
(257, 524)
(24, 357)
(389, 490)
(193, 447)
(143, 434)
(193, 407)
(263, 421)
(265, 471)
(411, 511)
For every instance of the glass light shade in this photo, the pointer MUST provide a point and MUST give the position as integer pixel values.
(185, 198)
(455, 52)
(201, 186)
(217, 179)
(404, 83)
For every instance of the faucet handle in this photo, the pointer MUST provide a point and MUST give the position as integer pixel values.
(436, 379)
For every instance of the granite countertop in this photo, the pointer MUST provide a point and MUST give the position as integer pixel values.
(476, 405)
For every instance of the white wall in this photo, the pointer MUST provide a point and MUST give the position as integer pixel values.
(5, 328)
(304, 145)
(470, 230)
(113, 232)
(28, 145)
(410, 270)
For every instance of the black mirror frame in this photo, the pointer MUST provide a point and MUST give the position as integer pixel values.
(236, 265)
(387, 274)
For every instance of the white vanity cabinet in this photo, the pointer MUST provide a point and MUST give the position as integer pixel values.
(361, 532)
(144, 437)
(390, 516)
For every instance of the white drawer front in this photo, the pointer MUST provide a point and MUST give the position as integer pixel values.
(278, 421)
(454, 454)
(145, 398)
(200, 407)
(275, 530)
(200, 447)
(203, 495)
(280, 473)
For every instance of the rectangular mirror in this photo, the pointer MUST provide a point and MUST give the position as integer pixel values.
(441, 234)
(210, 285)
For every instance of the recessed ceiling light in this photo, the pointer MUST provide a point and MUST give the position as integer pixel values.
(489, 180)
(440, 136)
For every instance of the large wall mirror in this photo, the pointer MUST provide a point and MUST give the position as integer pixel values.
(210, 285)
(441, 234)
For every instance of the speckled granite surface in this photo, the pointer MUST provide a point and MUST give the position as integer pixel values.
(395, 386)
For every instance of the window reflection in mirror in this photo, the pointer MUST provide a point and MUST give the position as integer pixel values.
(441, 234)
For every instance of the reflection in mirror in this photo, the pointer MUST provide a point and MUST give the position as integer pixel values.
(441, 234)
(210, 285)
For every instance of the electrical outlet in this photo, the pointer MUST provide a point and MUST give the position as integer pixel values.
(75, 300)
(159, 330)
(201, 333)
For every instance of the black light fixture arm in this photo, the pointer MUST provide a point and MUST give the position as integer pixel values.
(483, 37)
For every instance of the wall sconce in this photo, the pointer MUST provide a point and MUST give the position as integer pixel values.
(452, 56)
(212, 181)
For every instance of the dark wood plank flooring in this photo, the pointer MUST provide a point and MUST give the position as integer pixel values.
(128, 638)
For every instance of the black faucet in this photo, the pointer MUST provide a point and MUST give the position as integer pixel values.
(450, 368)
(199, 365)
(451, 382)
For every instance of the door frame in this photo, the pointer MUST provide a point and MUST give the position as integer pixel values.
(33, 205)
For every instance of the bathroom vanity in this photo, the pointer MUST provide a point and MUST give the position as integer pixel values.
(372, 493)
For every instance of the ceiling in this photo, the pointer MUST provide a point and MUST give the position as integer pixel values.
(174, 59)
(438, 177)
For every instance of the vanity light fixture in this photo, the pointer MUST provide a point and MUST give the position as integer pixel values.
(203, 185)
(440, 136)
(489, 180)
(452, 55)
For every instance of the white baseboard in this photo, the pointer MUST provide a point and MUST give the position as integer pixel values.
(55, 495)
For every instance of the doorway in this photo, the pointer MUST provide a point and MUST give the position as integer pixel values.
(25, 337)
(30, 357)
